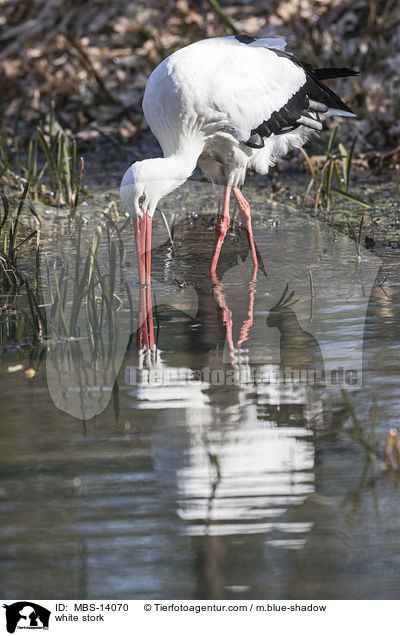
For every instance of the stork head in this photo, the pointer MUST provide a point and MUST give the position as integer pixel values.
(148, 181)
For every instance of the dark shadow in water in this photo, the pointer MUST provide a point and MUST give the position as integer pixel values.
(299, 349)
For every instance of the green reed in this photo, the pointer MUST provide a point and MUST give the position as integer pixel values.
(12, 238)
(332, 177)
(83, 294)
(50, 165)
(20, 313)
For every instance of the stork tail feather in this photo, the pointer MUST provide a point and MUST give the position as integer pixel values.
(330, 73)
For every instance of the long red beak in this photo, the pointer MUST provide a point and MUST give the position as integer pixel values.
(142, 227)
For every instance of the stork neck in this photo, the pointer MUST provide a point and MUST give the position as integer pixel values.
(179, 166)
(154, 178)
(168, 173)
(183, 154)
(162, 175)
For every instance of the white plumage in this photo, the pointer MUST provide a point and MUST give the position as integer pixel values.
(225, 104)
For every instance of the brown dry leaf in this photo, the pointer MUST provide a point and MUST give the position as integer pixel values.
(127, 129)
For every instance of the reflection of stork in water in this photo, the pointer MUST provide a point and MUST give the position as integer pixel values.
(228, 470)
(299, 348)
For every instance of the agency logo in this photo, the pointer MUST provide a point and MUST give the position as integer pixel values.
(26, 615)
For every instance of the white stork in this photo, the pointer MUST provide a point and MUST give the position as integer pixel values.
(225, 104)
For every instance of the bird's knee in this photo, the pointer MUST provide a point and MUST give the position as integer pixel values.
(222, 226)
(245, 210)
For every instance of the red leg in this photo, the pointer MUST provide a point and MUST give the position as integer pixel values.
(247, 323)
(221, 228)
(226, 312)
(244, 208)
(220, 233)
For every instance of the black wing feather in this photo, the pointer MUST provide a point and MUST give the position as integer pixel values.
(329, 73)
(286, 118)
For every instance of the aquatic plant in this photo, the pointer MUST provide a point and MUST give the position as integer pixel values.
(332, 176)
(356, 237)
(12, 238)
(81, 293)
(19, 316)
(84, 292)
(50, 166)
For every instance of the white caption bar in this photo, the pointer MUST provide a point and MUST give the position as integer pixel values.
(80, 618)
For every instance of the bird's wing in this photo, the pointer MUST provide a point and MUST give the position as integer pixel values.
(305, 106)
(264, 90)
(249, 88)
(245, 83)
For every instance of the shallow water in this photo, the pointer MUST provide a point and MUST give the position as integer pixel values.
(206, 472)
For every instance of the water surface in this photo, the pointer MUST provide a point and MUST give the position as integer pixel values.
(216, 477)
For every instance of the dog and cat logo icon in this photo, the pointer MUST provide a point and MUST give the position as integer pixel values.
(26, 615)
